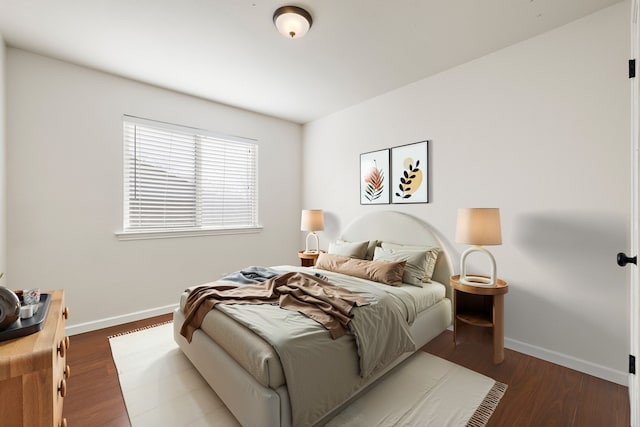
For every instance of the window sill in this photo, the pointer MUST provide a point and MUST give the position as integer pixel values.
(173, 234)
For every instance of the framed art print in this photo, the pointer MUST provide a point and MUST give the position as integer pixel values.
(409, 177)
(374, 178)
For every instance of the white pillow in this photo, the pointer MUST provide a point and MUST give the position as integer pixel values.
(432, 256)
(351, 249)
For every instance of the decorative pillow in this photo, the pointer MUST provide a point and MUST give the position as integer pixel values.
(415, 268)
(350, 249)
(373, 244)
(387, 272)
(370, 248)
(431, 256)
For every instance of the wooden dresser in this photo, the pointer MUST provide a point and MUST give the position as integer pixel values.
(33, 372)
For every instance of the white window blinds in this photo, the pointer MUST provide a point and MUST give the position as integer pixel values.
(180, 178)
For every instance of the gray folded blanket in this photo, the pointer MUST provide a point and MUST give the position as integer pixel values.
(251, 275)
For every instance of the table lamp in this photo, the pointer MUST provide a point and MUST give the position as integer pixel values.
(312, 220)
(478, 227)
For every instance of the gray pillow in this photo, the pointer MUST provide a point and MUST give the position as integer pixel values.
(415, 267)
(351, 249)
(432, 256)
(370, 248)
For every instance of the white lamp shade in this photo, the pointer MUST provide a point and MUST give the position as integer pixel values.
(292, 22)
(479, 226)
(312, 220)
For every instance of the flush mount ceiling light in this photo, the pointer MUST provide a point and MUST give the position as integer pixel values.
(292, 21)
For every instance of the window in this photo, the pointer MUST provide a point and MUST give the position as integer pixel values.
(180, 179)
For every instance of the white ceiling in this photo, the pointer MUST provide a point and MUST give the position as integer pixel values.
(229, 50)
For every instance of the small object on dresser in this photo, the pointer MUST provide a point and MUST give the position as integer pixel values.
(31, 296)
(26, 311)
(9, 307)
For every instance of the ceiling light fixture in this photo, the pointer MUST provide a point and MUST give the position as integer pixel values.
(292, 21)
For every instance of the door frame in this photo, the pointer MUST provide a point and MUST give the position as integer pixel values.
(634, 288)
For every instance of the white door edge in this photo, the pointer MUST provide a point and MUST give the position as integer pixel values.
(634, 288)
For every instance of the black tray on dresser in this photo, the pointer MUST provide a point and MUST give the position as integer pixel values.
(23, 327)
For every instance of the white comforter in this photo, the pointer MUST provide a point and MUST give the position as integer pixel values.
(322, 373)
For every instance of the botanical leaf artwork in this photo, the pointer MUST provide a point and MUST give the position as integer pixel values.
(411, 178)
(374, 180)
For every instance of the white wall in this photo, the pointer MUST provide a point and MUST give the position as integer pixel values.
(540, 130)
(65, 192)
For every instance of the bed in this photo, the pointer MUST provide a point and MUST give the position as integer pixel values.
(245, 370)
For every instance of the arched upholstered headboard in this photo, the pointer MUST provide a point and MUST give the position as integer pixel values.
(398, 227)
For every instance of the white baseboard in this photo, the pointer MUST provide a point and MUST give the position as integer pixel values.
(118, 320)
(618, 377)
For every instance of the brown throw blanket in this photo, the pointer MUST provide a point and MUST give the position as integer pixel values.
(327, 304)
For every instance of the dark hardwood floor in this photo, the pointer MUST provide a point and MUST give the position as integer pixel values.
(539, 394)
(93, 391)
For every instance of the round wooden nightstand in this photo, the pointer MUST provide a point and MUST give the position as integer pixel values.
(308, 260)
(481, 306)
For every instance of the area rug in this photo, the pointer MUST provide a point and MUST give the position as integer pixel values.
(162, 388)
